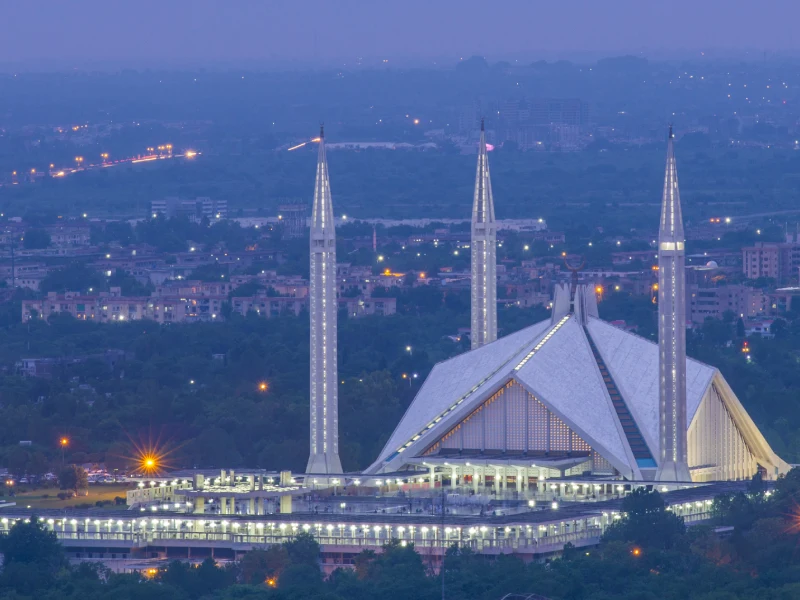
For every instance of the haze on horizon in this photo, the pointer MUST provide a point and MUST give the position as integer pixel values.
(319, 32)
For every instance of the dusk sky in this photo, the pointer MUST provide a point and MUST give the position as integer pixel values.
(315, 31)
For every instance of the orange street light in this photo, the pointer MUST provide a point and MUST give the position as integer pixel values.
(63, 442)
(149, 463)
(263, 386)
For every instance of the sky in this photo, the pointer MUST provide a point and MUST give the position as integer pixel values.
(171, 32)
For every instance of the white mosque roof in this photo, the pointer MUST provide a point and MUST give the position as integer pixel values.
(564, 375)
(556, 364)
(633, 363)
(451, 380)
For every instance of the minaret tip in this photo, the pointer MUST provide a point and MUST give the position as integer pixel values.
(482, 128)
(670, 135)
(322, 131)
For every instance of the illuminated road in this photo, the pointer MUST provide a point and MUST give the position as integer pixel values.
(188, 154)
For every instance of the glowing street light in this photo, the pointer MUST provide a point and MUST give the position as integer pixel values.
(63, 442)
(263, 386)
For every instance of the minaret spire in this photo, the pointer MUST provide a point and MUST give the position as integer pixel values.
(484, 254)
(323, 309)
(673, 465)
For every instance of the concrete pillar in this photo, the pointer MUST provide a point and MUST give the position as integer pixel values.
(199, 506)
(286, 505)
(259, 506)
(519, 479)
(251, 510)
(199, 481)
(232, 478)
(454, 478)
(475, 477)
(252, 483)
(433, 477)
(222, 475)
(497, 479)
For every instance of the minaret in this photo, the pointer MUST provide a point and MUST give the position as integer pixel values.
(673, 465)
(323, 311)
(484, 254)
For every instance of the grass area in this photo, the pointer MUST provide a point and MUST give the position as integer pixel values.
(97, 492)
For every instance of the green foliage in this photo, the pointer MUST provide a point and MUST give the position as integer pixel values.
(646, 523)
(30, 542)
(73, 477)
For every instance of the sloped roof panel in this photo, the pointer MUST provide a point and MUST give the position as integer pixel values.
(633, 363)
(456, 377)
(564, 375)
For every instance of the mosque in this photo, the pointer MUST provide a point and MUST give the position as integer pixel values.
(530, 441)
(571, 396)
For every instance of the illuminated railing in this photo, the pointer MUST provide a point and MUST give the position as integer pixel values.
(542, 342)
(478, 538)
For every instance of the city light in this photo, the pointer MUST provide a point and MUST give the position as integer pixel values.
(263, 386)
(64, 442)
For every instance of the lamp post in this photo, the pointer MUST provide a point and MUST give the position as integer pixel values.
(63, 442)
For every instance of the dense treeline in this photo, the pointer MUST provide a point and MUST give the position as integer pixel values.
(649, 554)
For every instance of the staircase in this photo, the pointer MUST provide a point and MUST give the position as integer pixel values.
(632, 433)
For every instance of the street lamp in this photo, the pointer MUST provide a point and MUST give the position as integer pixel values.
(63, 442)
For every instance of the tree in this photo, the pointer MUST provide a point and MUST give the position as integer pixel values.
(36, 239)
(18, 462)
(30, 541)
(740, 333)
(259, 566)
(646, 522)
(303, 550)
(73, 477)
(37, 464)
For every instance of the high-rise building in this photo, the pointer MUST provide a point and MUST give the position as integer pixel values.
(324, 455)
(484, 254)
(672, 329)
(773, 260)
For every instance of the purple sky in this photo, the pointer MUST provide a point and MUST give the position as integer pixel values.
(151, 31)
